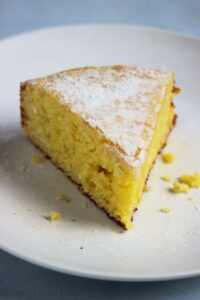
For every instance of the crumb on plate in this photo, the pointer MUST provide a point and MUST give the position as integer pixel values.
(180, 188)
(168, 158)
(55, 216)
(165, 210)
(190, 198)
(192, 181)
(84, 204)
(166, 178)
(62, 197)
(37, 159)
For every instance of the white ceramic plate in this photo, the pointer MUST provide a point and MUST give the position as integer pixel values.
(87, 243)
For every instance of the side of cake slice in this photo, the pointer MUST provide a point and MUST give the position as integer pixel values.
(103, 126)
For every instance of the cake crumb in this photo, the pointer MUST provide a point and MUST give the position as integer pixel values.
(37, 159)
(180, 188)
(168, 158)
(192, 181)
(55, 216)
(62, 197)
(84, 205)
(147, 188)
(165, 210)
(190, 198)
(166, 178)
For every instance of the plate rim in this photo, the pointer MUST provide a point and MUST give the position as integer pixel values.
(98, 275)
(138, 27)
(92, 274)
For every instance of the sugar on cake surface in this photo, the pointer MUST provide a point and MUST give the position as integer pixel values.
(103, 126)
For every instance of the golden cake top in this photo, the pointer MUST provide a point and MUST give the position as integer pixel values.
(122, 102)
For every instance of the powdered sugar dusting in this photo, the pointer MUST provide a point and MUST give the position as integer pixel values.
(121, 101)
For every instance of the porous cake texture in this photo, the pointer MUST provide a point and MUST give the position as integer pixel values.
(103, 126)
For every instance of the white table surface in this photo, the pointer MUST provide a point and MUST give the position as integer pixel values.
(21, 280)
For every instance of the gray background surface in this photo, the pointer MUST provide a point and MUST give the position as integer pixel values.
(21, 280)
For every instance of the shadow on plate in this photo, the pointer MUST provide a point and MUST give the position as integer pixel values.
(41, 183)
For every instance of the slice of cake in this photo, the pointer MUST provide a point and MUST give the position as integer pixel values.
(103, 126)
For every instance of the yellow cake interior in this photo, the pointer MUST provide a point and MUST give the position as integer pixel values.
(84, 154)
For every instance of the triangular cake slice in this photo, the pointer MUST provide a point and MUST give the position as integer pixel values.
(103, 126)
